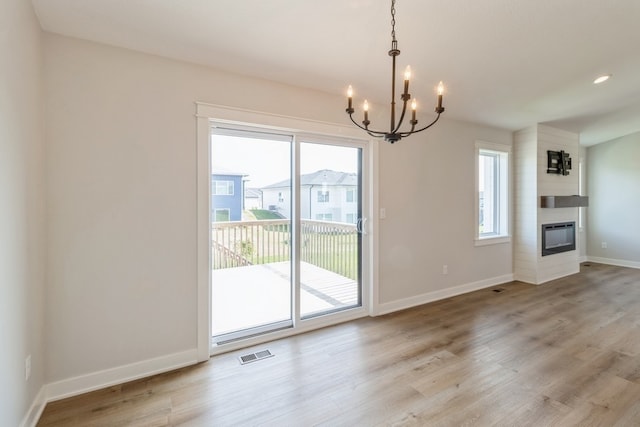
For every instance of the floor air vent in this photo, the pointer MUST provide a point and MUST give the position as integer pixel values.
(253, 357)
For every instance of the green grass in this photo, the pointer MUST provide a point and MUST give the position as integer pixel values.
(262, 214)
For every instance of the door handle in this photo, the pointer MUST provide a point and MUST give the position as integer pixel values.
(360, 226)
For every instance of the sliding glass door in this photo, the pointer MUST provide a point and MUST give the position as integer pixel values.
(286, 223)
(251, 235)
(330, 220)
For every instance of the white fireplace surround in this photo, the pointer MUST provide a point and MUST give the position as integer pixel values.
(531, 183)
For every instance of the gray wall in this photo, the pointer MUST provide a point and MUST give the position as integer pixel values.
(22, 232)
(613, 176)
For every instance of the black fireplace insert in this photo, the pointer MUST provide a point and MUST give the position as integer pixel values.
(558, 237)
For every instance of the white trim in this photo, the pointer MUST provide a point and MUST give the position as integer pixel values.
(373, 294)
(492, 146)
(119, 375)
(203, 228)
(305, 128)
(294, 207)
(505, 152)
(306, 325)
(233, 115)
(428, 297)
(617, 262)
(32, 417)
(484, 241)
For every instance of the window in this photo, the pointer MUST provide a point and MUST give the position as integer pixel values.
(280, 197)
(351, 218)
(323, 196)
(221, 215)
(324, 217)
(222, 188)
(492, 202)
(351, 195)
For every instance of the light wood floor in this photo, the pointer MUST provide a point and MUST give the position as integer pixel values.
(566, 353)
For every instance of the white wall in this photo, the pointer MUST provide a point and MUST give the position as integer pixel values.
(613, 177)
(122, 211)
(22, 233)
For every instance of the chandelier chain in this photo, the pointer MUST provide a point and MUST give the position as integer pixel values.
(393, 20)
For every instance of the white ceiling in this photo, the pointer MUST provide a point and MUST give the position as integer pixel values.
(506, 63)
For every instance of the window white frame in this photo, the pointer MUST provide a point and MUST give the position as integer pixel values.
(205, 114)
(499, 181)
(222, 188)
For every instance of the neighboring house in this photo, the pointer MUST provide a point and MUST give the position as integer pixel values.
(325, 195)
(252, 198)
(227, 189)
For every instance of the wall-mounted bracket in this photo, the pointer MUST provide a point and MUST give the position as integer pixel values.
(558, 162)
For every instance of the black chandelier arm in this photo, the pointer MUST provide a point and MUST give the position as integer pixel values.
(404, 110)
(421, 129)
(373, 133)
(379, 134)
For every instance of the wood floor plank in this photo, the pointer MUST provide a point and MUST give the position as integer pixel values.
(564, 353)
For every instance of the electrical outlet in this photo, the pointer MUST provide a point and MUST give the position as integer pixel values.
(445, 269)
(604, 245)
(27, 368)
(383, 213)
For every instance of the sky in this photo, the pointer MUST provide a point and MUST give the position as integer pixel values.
(267, 162)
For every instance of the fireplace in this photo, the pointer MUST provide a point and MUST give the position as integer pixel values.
(558, 237)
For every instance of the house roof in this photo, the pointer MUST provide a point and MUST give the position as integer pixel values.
(509, 63)
(252, 193)
(219, 170)
(322, 177)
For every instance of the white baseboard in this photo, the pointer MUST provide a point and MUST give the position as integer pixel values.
(118, 375)
(428, 297)
(33, 415)
(611, 261)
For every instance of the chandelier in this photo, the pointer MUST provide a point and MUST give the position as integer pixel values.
(395, 134)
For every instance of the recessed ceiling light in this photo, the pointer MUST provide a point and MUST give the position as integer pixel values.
(602, 79)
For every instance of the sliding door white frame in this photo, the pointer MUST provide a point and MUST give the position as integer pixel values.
(205, 115)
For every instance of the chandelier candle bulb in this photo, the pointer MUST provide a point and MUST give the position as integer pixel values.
(414, 106)
(407, 76)
(440, 92)
(365, 107)
(350, 95)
